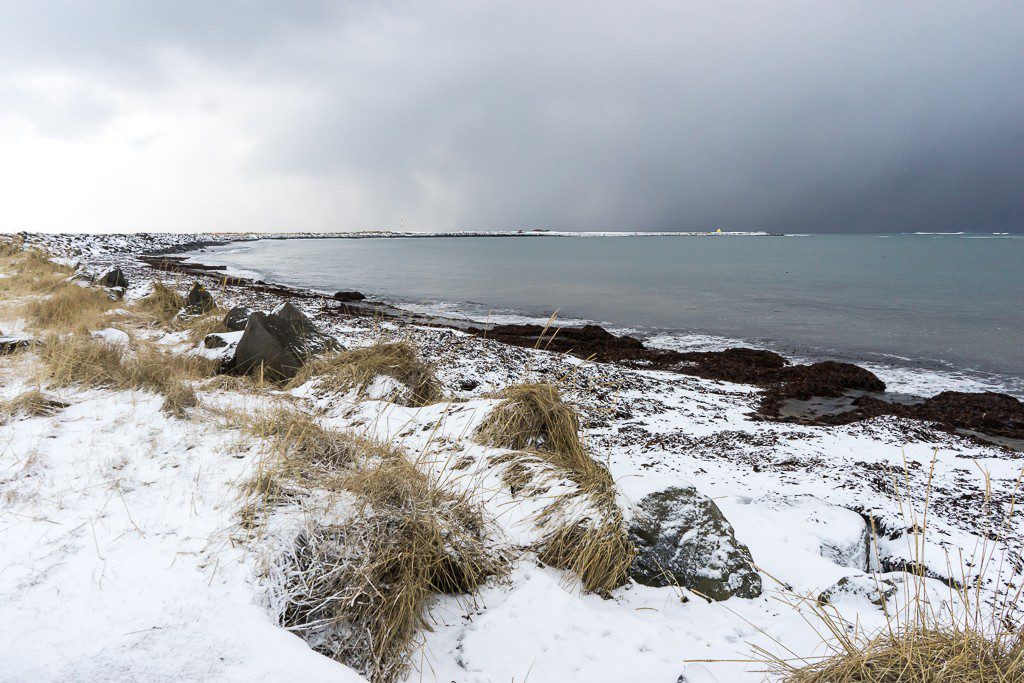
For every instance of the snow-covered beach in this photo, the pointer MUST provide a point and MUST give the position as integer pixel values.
(125, 559)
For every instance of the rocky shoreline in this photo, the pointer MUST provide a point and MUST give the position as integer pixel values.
(792, 392)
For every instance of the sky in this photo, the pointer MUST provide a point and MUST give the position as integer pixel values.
(197, 115)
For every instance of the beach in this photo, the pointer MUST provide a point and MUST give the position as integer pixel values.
(818, 491)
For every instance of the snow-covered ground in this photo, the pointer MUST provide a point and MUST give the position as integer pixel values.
(122, 556)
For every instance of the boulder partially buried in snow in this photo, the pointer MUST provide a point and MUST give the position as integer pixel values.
(277, 344)
(877, 589)
(198, 300)
(236, 318)
(114, 278)
(681, 537)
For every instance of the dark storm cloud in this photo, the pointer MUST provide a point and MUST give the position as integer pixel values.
(787, 116)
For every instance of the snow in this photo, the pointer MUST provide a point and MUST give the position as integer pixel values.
(112, 336)
(118, 554)
(123, 557)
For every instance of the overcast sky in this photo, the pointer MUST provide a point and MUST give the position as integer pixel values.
(306, 115)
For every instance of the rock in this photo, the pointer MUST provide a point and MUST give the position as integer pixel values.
(236, 318)
(310, 338)
(876, 590)
(269, 347)
(468, 384)
(588, 341)
(114, 278)
(278, 343)
(828, 378)
(682, 537)
(214, 341)
(9, 345)
(349, 296)
(198, 300)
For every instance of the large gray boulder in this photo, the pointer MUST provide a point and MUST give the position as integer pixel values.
(277, 344)
(681, 537)
(268, 348)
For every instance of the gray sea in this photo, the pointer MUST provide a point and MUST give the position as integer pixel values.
(948, 304)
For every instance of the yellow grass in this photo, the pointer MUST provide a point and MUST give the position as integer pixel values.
(355, 369)
(586, 533)
(69, 308)
(79, 359)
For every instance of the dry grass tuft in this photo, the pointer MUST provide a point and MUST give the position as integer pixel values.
(357, 591)
(596, 549)
(161, 304)
(32, 403)
(178, 397)
(357, 368)
(302, 450)
(69, 308)
(587, 535)
(925, 655)
(81, 359)
(31, 271)
(534, 417)
(199, 326)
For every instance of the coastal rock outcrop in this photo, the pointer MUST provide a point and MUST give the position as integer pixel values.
(348, 296)
(681, 537)
(986, 412)
(877, 589)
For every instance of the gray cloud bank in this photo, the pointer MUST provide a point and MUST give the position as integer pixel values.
(796, 116)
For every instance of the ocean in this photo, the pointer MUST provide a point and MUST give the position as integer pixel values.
(948, 305)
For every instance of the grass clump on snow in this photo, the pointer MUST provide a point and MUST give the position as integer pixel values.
(30, 270)
(80, 359)
(358, 590)
(31, 403)
(969, 634)
(357, 587)
(921, 655)
(161, 304)
(70, 307)
(586, 533)
(357, 368)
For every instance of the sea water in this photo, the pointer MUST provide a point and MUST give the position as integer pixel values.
(946, 303)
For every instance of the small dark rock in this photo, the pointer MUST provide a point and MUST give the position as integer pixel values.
(214, 341)
(199, 300)
(236, 318)
(9, 345)
(114, 278)
(468, 384)
(349, 296)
